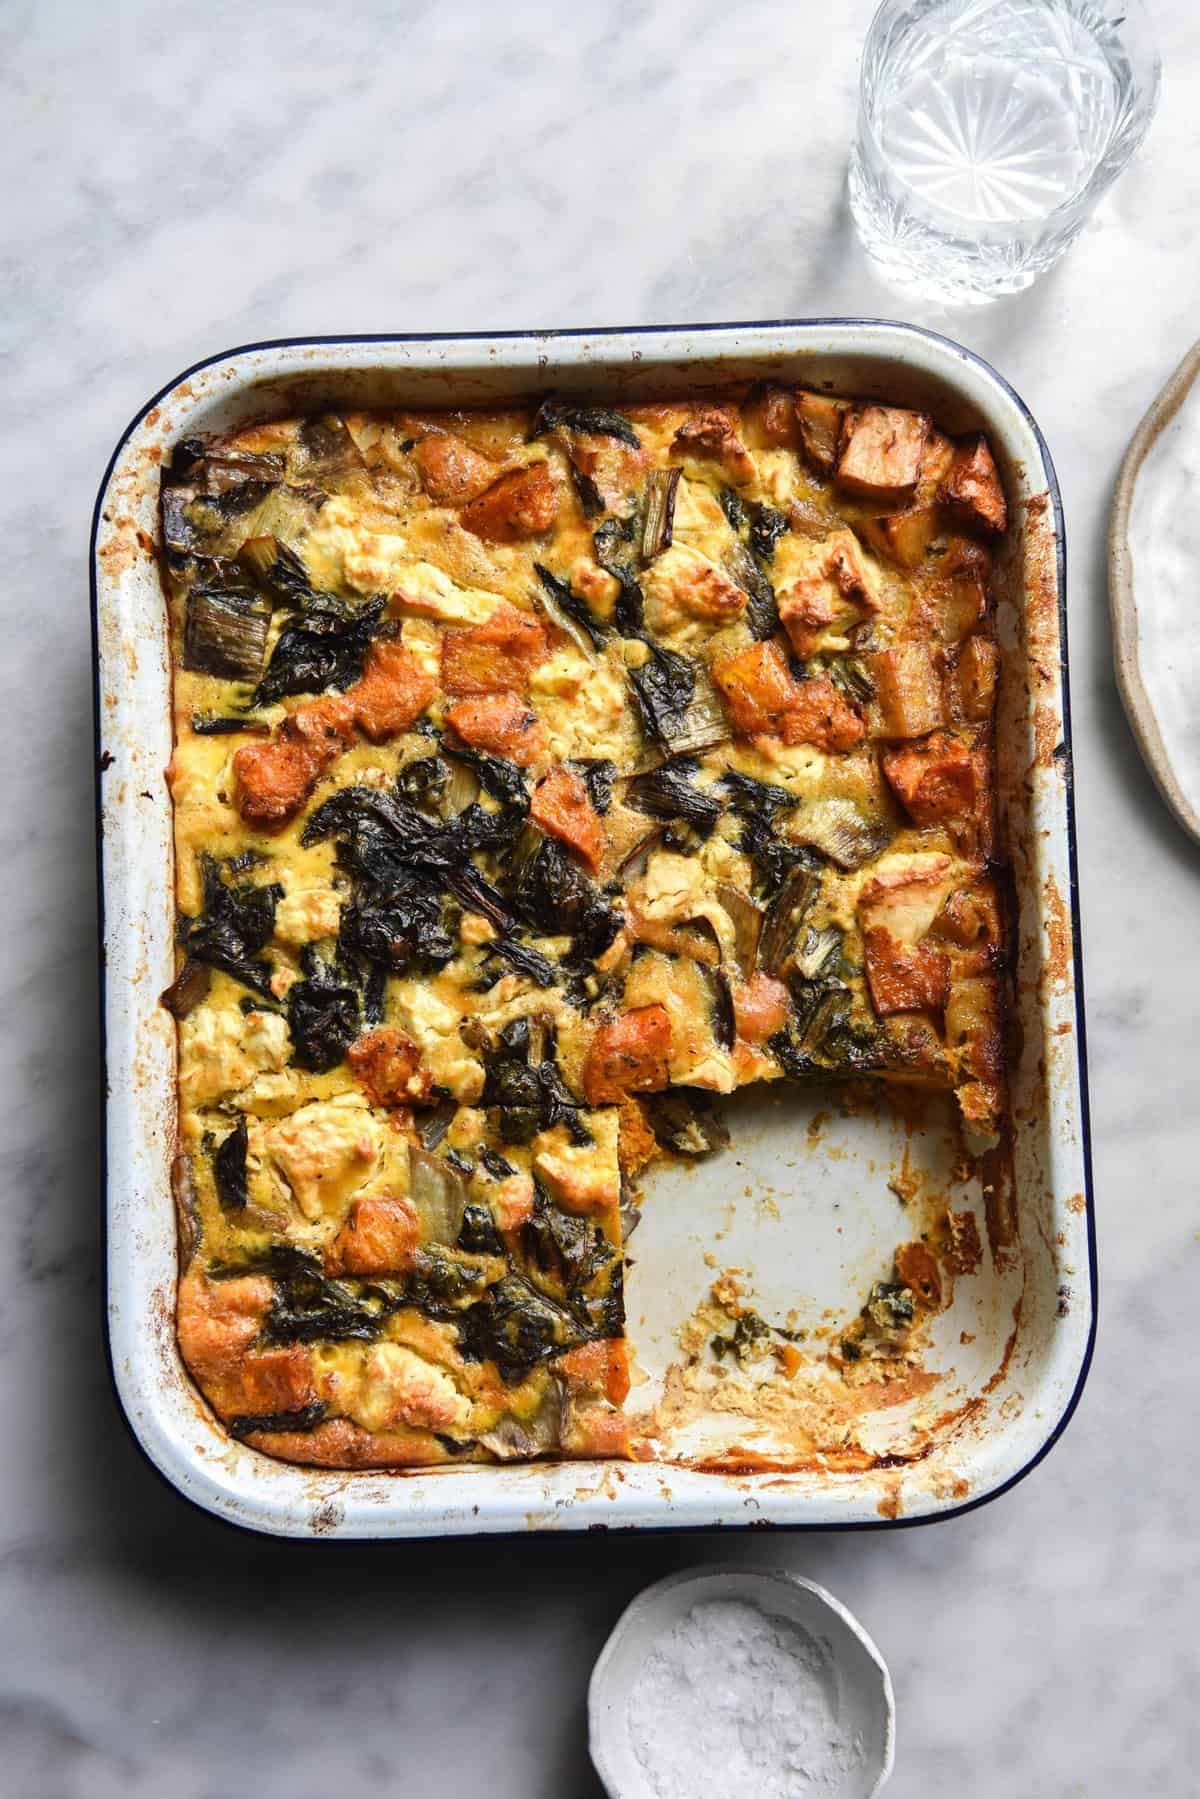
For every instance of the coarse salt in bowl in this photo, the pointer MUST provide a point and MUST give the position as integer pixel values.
(740, 1681)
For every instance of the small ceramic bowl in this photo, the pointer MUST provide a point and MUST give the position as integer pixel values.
(869, 1709)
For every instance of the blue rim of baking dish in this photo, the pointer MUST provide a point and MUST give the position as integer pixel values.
(1064, 757)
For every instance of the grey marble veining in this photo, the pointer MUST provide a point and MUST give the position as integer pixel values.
(178, 178)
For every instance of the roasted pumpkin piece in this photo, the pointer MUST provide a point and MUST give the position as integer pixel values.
(500, 723)
(904, 977)
(380, 1236)
(934, 780)
(523, 503)
(821, 714)
(758, 688)
(606, 470)
(394, 691)
(823, 585)
(904, 537)
(760, 1008)
(273, 1381)
(493, 656)
(969, 924)
(880, 452)
(769, 415)
(636, 1143)
(274, 779)
(598, 1367)
(629, 1054)
(217, 1322)
(562, 808)
(452, 473)
(387, 1064)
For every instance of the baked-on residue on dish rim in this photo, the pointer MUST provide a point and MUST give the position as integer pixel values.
(1047, 1351)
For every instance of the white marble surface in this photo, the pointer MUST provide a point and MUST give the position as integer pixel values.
(181, 177)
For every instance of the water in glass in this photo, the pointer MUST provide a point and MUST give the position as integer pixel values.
(987, 131)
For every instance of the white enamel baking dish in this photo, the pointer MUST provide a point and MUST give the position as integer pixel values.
(814, 1225)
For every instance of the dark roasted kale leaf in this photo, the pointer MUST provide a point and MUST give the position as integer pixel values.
(766, 528)
(554, 896)
(591, 500)
(723, 1017)
(758, 805)
(478, 1235)
(498, 777)
(558, 1244)
(443, 1283)
(396, 929)
(423, 782)
(324, 1013)
(517, 1327)
(321, 650)
(670, 792)
(525, 960)
(762, 608)
(305, 1417)
(598, 421)
(498, 1166)
(309, 1306)
(233, 927)
(229, 1169)
(664, 686)
(529, 1096)
(598, 778)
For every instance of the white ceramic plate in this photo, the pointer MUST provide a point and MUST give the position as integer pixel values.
(1154, 566)
(866, 1705)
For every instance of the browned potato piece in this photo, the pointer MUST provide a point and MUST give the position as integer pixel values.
(820, 427)
(972, 486)
(881, 451)
(957, 594)
(712, 431)
(978, 666)
(908, 691)
(769, 416)
(903, 536)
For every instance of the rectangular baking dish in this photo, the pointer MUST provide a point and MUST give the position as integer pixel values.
(805, 1202)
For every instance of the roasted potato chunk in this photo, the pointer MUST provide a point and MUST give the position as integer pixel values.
(880, 454)
(972, 487)
(820, 420)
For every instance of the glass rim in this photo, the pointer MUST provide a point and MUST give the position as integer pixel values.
(1128, 131)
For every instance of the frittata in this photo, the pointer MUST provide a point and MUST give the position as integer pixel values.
(541, 776)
